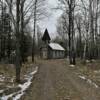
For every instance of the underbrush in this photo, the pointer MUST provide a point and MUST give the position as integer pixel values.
(8, 87)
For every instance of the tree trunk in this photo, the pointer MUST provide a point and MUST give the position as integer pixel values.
(22, 33)
(73, 41)
(9, 34)
(33, 45)
(18, 57)
(84, 53)
(91, 48)
(71, 33)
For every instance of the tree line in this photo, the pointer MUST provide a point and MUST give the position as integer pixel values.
(79, 27)
(17, 39)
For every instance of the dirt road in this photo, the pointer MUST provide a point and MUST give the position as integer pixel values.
(58, 81)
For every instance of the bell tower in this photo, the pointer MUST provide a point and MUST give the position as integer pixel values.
(46, 38)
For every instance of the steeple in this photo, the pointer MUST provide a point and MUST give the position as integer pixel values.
(46, 38)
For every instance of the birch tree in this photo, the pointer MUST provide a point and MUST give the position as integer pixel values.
(69, 7)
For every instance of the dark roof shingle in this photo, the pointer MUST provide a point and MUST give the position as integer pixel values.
(46, 36)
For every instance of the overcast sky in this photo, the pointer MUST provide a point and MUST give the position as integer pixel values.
(50, 23)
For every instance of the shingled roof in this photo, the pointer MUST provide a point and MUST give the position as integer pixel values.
(46, 36)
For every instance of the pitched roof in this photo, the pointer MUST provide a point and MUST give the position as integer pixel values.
(46, 36)
(56, 46)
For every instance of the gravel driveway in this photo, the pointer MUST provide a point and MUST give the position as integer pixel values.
(58, 81)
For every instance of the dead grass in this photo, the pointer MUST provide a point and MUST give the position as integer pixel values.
(90, 70)
(7, 69)
(7, 77)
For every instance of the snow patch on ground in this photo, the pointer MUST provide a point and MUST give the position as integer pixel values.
(72, 65)
(24, 87)
(97, 71)
(5, 97)
(93, 60)
(2, 78)
(82, 77)
(1, 91)
(89, 81)
(17, 97)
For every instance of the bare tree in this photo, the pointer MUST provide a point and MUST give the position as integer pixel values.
(35, 12)
(69, 7)
(62, 26)
(18, 56)
(39, 13)
(78, 20)
(26, 11)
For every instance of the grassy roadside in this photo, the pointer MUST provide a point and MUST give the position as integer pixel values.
(7, 77)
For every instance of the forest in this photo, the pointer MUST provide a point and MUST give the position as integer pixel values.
(18, 23)
(78, 30)
(79, 26)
